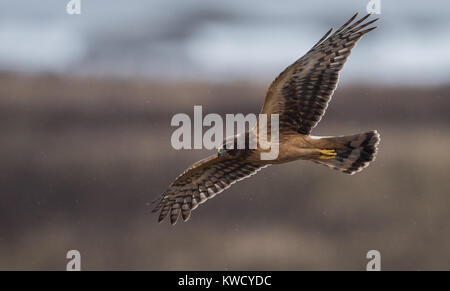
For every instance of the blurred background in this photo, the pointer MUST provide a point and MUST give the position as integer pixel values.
(85, 108)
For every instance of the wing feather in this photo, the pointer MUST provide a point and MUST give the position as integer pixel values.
(300, 94)
(200, 182)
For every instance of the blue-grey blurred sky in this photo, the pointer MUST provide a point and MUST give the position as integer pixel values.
(220, 40)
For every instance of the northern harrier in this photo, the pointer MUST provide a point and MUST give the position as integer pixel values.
(300, 95)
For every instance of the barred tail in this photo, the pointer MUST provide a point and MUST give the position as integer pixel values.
(354, 152)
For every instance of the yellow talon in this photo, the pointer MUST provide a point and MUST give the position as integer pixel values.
(327, 154)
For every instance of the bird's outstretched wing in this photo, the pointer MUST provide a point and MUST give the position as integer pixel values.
(202, 181)
(300, 94)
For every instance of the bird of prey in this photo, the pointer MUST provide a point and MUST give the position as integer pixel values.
(299, 95)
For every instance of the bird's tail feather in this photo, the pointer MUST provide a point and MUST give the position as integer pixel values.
(353, 152)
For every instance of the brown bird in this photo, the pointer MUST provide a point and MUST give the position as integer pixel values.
(299, 95)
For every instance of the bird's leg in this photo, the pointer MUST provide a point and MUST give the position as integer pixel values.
(327, 154)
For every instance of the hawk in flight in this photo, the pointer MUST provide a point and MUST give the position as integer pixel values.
(299, 95)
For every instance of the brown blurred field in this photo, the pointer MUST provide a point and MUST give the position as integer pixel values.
(82, 158)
